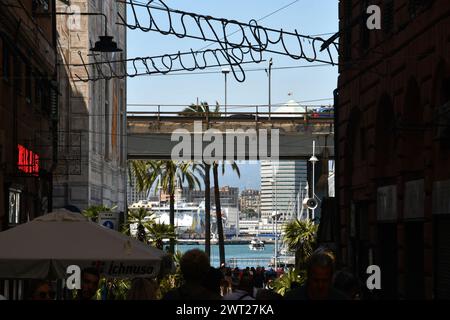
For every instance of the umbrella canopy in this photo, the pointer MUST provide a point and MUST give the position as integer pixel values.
(46, 246)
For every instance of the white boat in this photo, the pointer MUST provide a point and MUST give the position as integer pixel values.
(256, 244)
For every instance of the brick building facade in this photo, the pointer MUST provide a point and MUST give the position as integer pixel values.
(393, 143)
(28, 98)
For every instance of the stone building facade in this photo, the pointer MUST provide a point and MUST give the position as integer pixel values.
(92, 120)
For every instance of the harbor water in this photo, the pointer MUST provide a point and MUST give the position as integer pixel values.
(236, 255)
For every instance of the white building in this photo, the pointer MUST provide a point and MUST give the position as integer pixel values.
(248, 227)
(281, 183)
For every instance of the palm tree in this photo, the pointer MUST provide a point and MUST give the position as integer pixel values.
(157, 232)
(300, 236)
(204, 170)
(138, 216)
(166, 174)
(93, 211)
(235, 168)
(203, 108)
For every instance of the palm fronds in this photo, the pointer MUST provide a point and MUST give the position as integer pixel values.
(300, 236)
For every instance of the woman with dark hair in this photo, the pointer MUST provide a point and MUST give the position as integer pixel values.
(142, 289)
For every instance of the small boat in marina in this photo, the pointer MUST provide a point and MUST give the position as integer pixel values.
(256, 244)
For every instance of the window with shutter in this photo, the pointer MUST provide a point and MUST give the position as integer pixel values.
(364, 31)
(5, 61)
(388, 16)
(415, 6)
(348, 5)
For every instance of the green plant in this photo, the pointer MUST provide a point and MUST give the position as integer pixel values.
(157, 232)
(284, 283)
(112, 289)
(142, 218)
(171, 281)
(300, 237)
(93, 211)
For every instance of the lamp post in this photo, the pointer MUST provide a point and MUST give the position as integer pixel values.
(226, 71)
(313, 160)
(275, 216)
(270, 88)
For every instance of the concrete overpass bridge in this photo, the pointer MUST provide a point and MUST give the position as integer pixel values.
(150, 133)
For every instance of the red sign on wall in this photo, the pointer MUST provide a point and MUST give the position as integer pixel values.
(28, 161)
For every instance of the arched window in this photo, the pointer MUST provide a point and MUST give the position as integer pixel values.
(386, 133)
(442, 107)
(412, 124)
(356, 143)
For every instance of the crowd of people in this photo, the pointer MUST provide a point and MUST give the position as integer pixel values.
(201, 281)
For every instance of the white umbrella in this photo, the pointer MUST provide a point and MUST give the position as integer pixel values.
(46, 246)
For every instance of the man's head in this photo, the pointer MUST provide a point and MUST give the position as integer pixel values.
(89, 283)
(320, 275)
(41, 290)
(212, 280)
(194, 265)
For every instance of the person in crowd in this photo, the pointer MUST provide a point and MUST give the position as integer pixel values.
(348, 284)
(143, 289)
(90, 279)
(242, 289)
(194, 265)
(41, 290)
(320, 268)
(263, 275)
(213, 280)
(265, 294)
(226, 283)
(258, 278)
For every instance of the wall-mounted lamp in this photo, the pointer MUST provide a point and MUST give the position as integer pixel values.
(105, 43)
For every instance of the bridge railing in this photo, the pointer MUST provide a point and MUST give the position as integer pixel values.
(240, 112)
(258, 262)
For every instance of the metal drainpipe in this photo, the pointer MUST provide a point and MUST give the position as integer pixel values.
(336, 177)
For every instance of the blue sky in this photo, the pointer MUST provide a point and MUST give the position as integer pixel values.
(309, 17)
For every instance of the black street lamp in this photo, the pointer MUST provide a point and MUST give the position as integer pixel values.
(105, 43)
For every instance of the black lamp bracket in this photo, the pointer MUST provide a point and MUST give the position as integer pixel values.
(87, 14)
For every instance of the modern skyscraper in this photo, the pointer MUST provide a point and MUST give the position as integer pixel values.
(281, 183)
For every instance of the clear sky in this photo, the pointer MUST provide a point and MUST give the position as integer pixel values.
(309, 17)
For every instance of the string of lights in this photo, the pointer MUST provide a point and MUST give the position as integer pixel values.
(255, 40)
(167, 63)
(252, 35)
